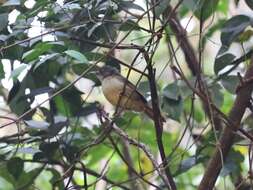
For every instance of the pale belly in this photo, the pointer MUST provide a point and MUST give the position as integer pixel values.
(112, 89)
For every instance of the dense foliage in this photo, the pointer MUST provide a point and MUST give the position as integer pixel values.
(57, 130)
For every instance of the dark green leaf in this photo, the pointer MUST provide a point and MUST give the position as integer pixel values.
(129, 25)
(230, 83)
(70, 152)
(249, 3)
(14, 90)
(13, 53)
(173, 108)
(143, 87)
(187, 164)
(17, 101)
(172, 101)
(38, 91)
(57, 126)
(79, 68)
(217, 95)
(28, 178)
(222, 50)
(15, 167)
(212, 29)
(12, 3)
(46, 58)
(16, 72)
(88, 109)
(79, 57)
(233, 28)
(3, 21)
(69, 102)
(171, 91)
(161, 7)
(222, 61)
(2, 74)
(39, 156)
(232, 163)
(55, 178)
(38, 125)
(203, 8)
(49, 149)
(130, 5)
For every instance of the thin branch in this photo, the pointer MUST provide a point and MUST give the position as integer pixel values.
(157, 120)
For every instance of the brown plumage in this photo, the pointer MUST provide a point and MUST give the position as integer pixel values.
(113, 88)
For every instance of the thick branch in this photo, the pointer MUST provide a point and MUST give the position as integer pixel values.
(226, 140)
(183, 41)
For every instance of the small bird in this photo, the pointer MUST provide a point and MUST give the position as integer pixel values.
(115, 87)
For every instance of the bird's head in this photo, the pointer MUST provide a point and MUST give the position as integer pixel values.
(106, 71)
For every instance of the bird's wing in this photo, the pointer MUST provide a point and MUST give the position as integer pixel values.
(130, 90)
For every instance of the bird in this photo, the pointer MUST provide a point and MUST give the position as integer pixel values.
(121, 92)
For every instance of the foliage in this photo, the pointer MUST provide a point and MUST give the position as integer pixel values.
(69, 139)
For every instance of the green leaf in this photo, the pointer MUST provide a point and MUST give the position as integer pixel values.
(12, 3)
(204, 8)
(49, 149)
(144, 89)
(15, 167)
(3, 21)
(55, 178)
(69, 102)
(130, 5)
(129, 25)
(249, 3)
(230, 83)
(2, 74)
(172, 91)
(69, 152)
(28, 178)
(77, 56)
(88, 109)
(161, 7)
(217, 95)
(79, 68)
(173, 108)
(16, 72)
(233, 28)
(188, 163)
(232, 163)
(38, 125)
(222, 61)
(198, 113)
(94, 56)
(46, 58)
(38, 50)
(223, 6)
(172, 101)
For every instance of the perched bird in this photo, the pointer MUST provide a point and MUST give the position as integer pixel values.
(116, 87)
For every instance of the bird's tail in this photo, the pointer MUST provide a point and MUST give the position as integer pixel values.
(149, 111)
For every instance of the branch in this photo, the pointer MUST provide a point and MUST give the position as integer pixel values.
(191, 60)
(183, 41)
(157, 120)
(87, 170)
(226, 140)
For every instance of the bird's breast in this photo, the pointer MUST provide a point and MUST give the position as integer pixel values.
(112, 87)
